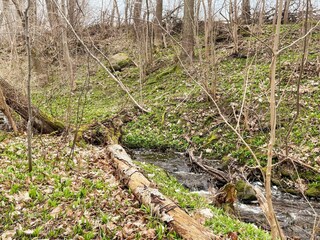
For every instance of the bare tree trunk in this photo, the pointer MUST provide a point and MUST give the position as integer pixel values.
(274, 21)
(197, 29)
(52, 15)
(115, 3)
(148, 35)
(112, 16)
(8, 19)
(29, 123)
(188, 31)
(302, 64)
(126, 13)
(262, 13)
(59, 30)
(33, 13)
(233, 16)
(276, 231)
(208, 29)
(245, 12)
(72, 6)
(65, 46)
(137, 17)
(158, 41)
(18, 7)
(286, 12)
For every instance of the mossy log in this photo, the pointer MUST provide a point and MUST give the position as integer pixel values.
(163, 207)
(17, 101)
(101, 133)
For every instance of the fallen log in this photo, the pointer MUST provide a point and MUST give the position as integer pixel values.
(163, 207)
(17, 101)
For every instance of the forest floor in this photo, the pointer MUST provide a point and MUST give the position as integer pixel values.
(66, 198)
(79, 197)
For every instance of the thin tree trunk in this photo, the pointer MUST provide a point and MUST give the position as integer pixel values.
(197, 29)
(8, 19)
(33, 13)
(148, 35)
(302, 63)
(72, 12)
(208, 29)
(274, 21)
(65, 46)
(234, 24)
(137, 18)
(112, 14)
(115, 3)
(188, 31)
(126, 13)
(276, 231)
(245, 12)
(262, 13)
(158, 41)
(52, 15)
(286, 12)
(29, 123)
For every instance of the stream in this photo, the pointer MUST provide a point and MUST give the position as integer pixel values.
(294, 213)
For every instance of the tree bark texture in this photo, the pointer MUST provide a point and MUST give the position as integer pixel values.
(286, 12)
(72, 9)
(163, 207)
(188, 30)
(137, 17)
(245, 12)
(158, 24)
(17, 101)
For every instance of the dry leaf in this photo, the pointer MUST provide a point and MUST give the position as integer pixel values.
(233, 235)
(8, 234)
(28, 232)
(55, 212)
(22, 197)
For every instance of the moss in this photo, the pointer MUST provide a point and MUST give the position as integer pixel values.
(99, 134)
(212, 137)
(287, 172)
(245, 192)
(166, 72)
(119, 61)
(3, 136)
(291, 191)
(313, 190)
(225, 162)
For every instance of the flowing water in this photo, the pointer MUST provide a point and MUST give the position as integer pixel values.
(295, 214)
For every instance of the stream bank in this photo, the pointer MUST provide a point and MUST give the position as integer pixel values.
(296, 215)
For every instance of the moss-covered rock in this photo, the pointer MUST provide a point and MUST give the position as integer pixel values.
(245, 192)
(119, 61)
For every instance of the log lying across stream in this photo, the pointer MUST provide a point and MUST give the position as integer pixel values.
(163, 207)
